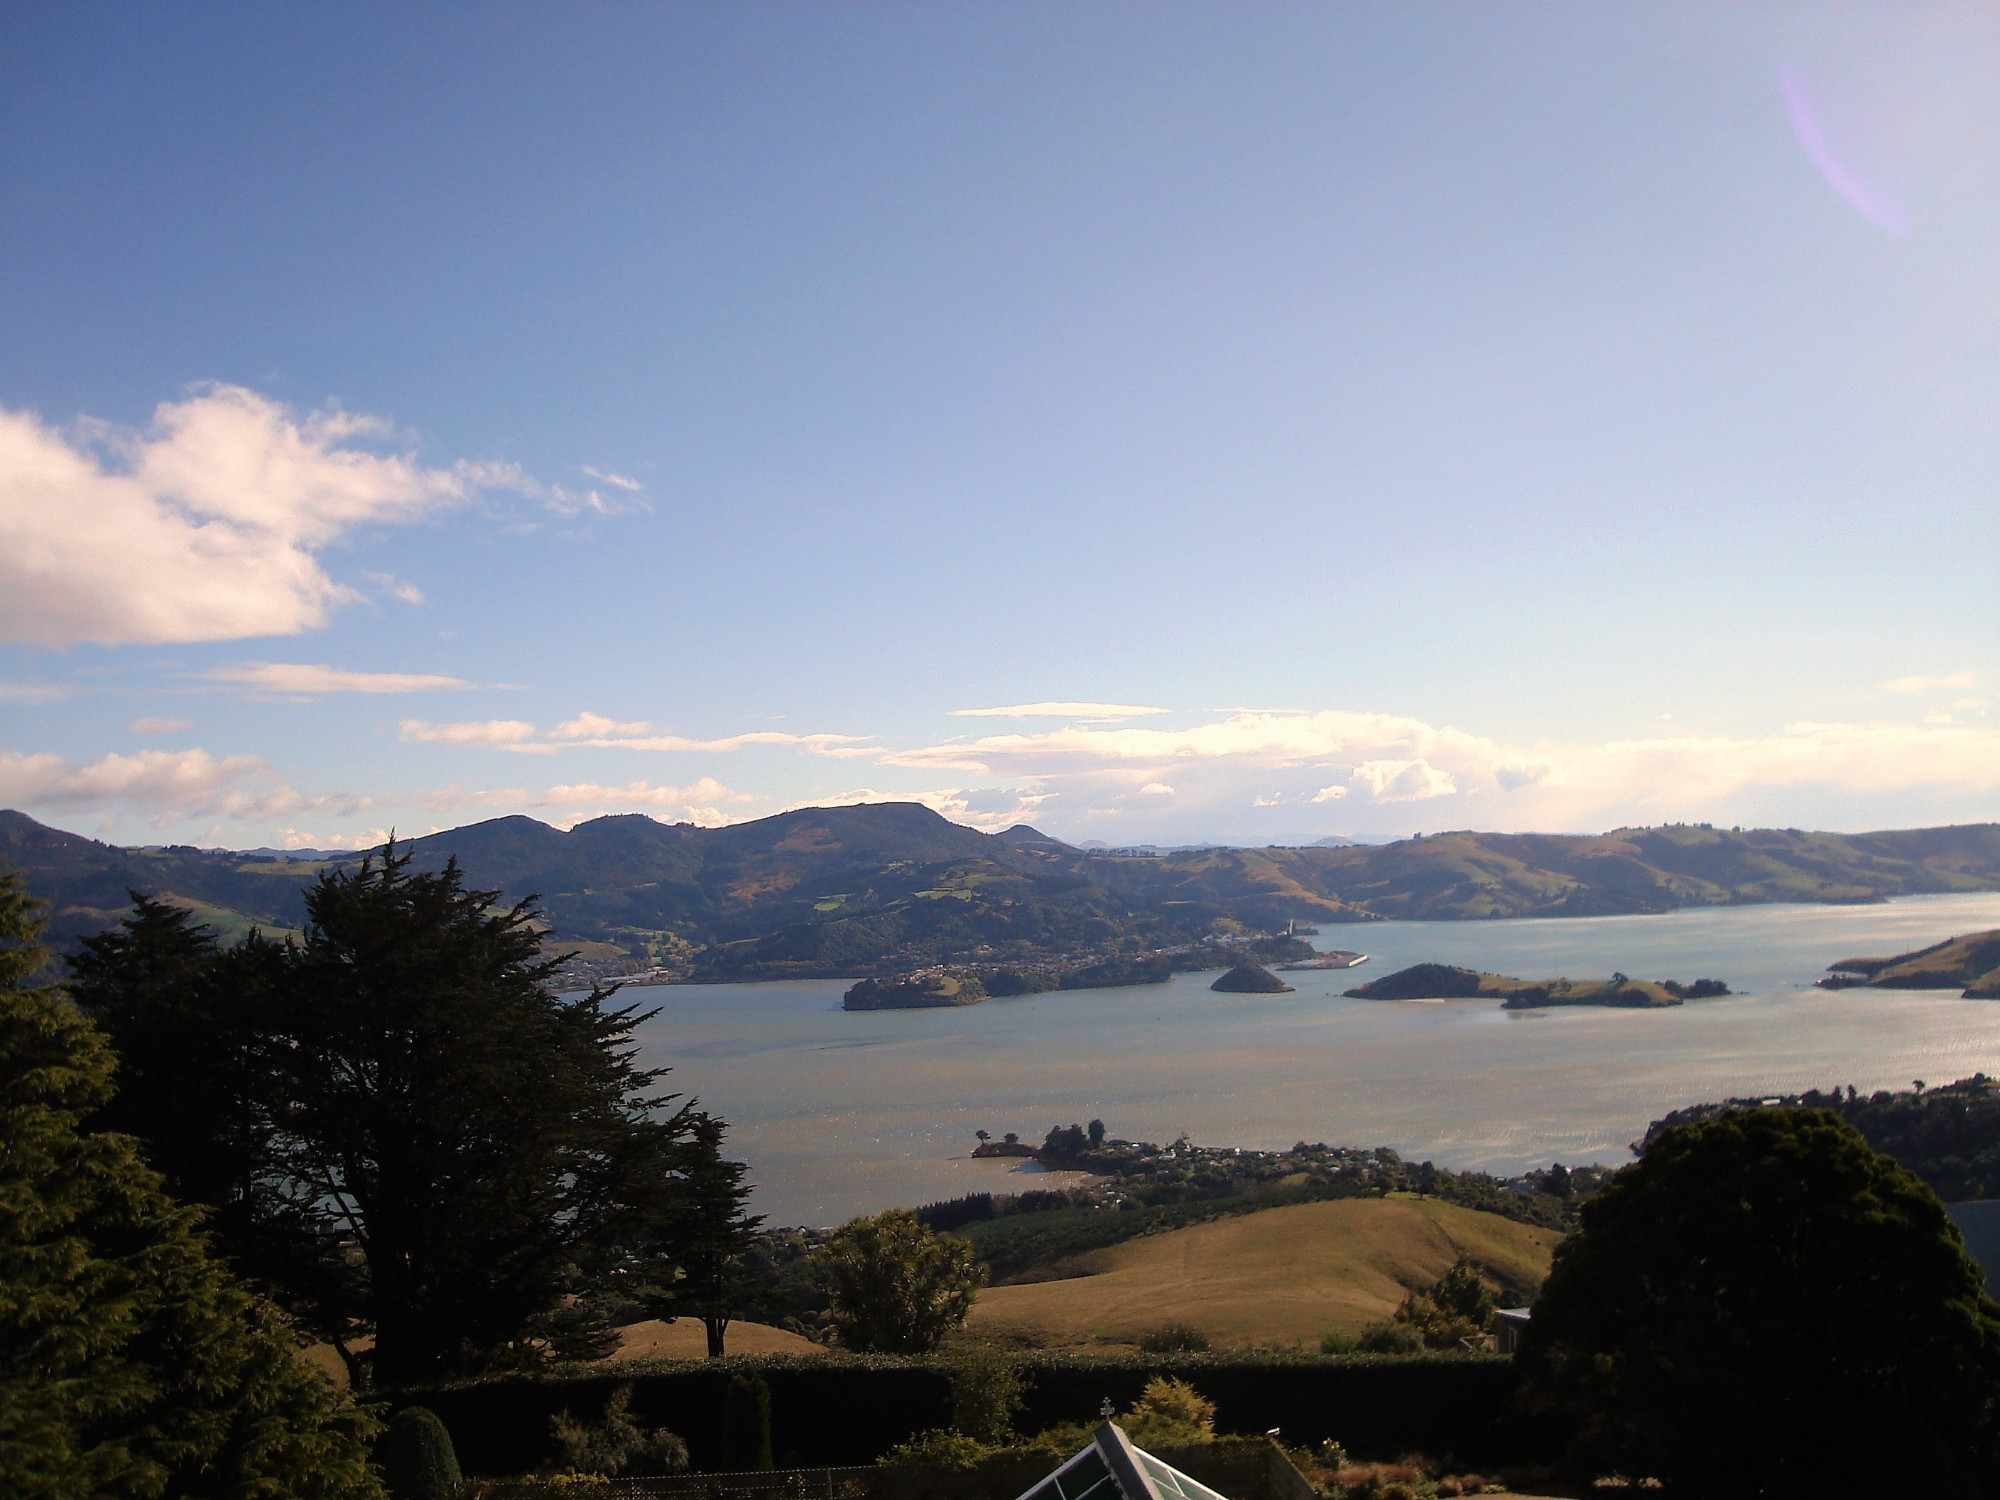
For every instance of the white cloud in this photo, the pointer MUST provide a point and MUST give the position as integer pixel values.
(617, 481)
(1930, 684)
(587, 725)
(302, 679)
(164, 786)
(205, 527)
(397, 588)
(1156, 789)
(1469, 779)
(35, 692)
(1402, 780)
(1097, 712)
(836, 745)
(509, 734)
(153, 724)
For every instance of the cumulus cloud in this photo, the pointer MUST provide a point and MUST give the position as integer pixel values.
(204, 527)
(1098, 712)
(302, 680)
(166, 787)
(1156, 789)
(1262, 758)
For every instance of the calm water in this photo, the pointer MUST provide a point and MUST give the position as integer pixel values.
(840, 1114)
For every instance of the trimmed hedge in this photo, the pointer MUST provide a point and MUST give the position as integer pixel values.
(842, 1409)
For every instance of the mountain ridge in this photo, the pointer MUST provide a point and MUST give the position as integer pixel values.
(887, 887)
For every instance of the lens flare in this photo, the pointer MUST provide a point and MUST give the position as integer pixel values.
(1870, 204)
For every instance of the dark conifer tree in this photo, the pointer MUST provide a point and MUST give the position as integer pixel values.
(131, 1364)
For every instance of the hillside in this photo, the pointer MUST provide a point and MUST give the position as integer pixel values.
(893, 887)
(1283, 1276)
(1970, 964)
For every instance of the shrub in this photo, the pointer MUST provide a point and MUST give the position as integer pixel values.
(746, 1424)
(1174, 1338)
(986, 1395)
(941, 1449)
(1390, 1337)
(1169, 1414)
(416, 1457)
(616, 1445)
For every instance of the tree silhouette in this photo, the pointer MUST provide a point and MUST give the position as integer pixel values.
(1765, 1305)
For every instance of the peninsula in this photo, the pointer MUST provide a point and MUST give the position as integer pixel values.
(1969, 964)
(1446, 982)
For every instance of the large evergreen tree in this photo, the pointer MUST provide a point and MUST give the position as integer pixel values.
(401, 1085)
(1765, 1305)
(131, 1363)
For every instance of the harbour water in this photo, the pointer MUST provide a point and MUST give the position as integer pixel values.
(841, 1113)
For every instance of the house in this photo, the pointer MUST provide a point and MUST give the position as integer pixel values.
(1509, 1323)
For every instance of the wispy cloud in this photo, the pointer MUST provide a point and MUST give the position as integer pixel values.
(207, 526)
(587, 725)
(156, 724)
(511, 734)
(36, 692)
(302, 679)
(616, 481)
(1954, 681)
(1101, 712)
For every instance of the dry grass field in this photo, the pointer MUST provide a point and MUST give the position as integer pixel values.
(1281, 1277)
(684, 1338)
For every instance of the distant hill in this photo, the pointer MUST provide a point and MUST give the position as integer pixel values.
(1445, 982)
(1282, 1276)
(892, 887)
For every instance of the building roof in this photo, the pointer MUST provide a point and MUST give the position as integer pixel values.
(1110, 1466)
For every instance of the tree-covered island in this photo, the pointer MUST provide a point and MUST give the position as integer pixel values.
(1446, 982)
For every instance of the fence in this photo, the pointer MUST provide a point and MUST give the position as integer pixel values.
(860, 1483)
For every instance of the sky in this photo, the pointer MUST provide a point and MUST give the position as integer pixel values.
(1159, 424)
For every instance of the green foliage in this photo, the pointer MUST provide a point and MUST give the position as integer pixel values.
(131, 1363)
(987, 1393)
(1948, 1136)
(615, 1445)
(402, 1080)
(746, 1424)
(1765, 1305)
(896, 1286)
(1174, 1338)
(1169, 1413)
(416, 1457)
(1457, 1306)
(941, 1448)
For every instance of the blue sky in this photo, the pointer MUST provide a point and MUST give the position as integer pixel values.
(1299, 419)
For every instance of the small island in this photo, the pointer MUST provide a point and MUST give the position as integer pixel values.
(1447, 982)
(1969, 964)
(1249, 978)
(930, 990)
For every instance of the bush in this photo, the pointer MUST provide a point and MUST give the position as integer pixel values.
(1170, 1414)
(1174, 1338)
(842, 1409)
(1391, 1336)
(940, 1449)
(416, 1457)
(986, 1394)
(895, 1285)
(746, 1424)
(616, 1446)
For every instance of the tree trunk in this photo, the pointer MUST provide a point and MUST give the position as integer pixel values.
(716, 1325)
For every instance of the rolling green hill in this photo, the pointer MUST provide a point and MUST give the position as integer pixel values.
(892, 886)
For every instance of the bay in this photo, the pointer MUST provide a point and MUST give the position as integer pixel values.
(843, 1113)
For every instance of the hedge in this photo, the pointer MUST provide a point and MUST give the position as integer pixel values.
(843, 1409)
